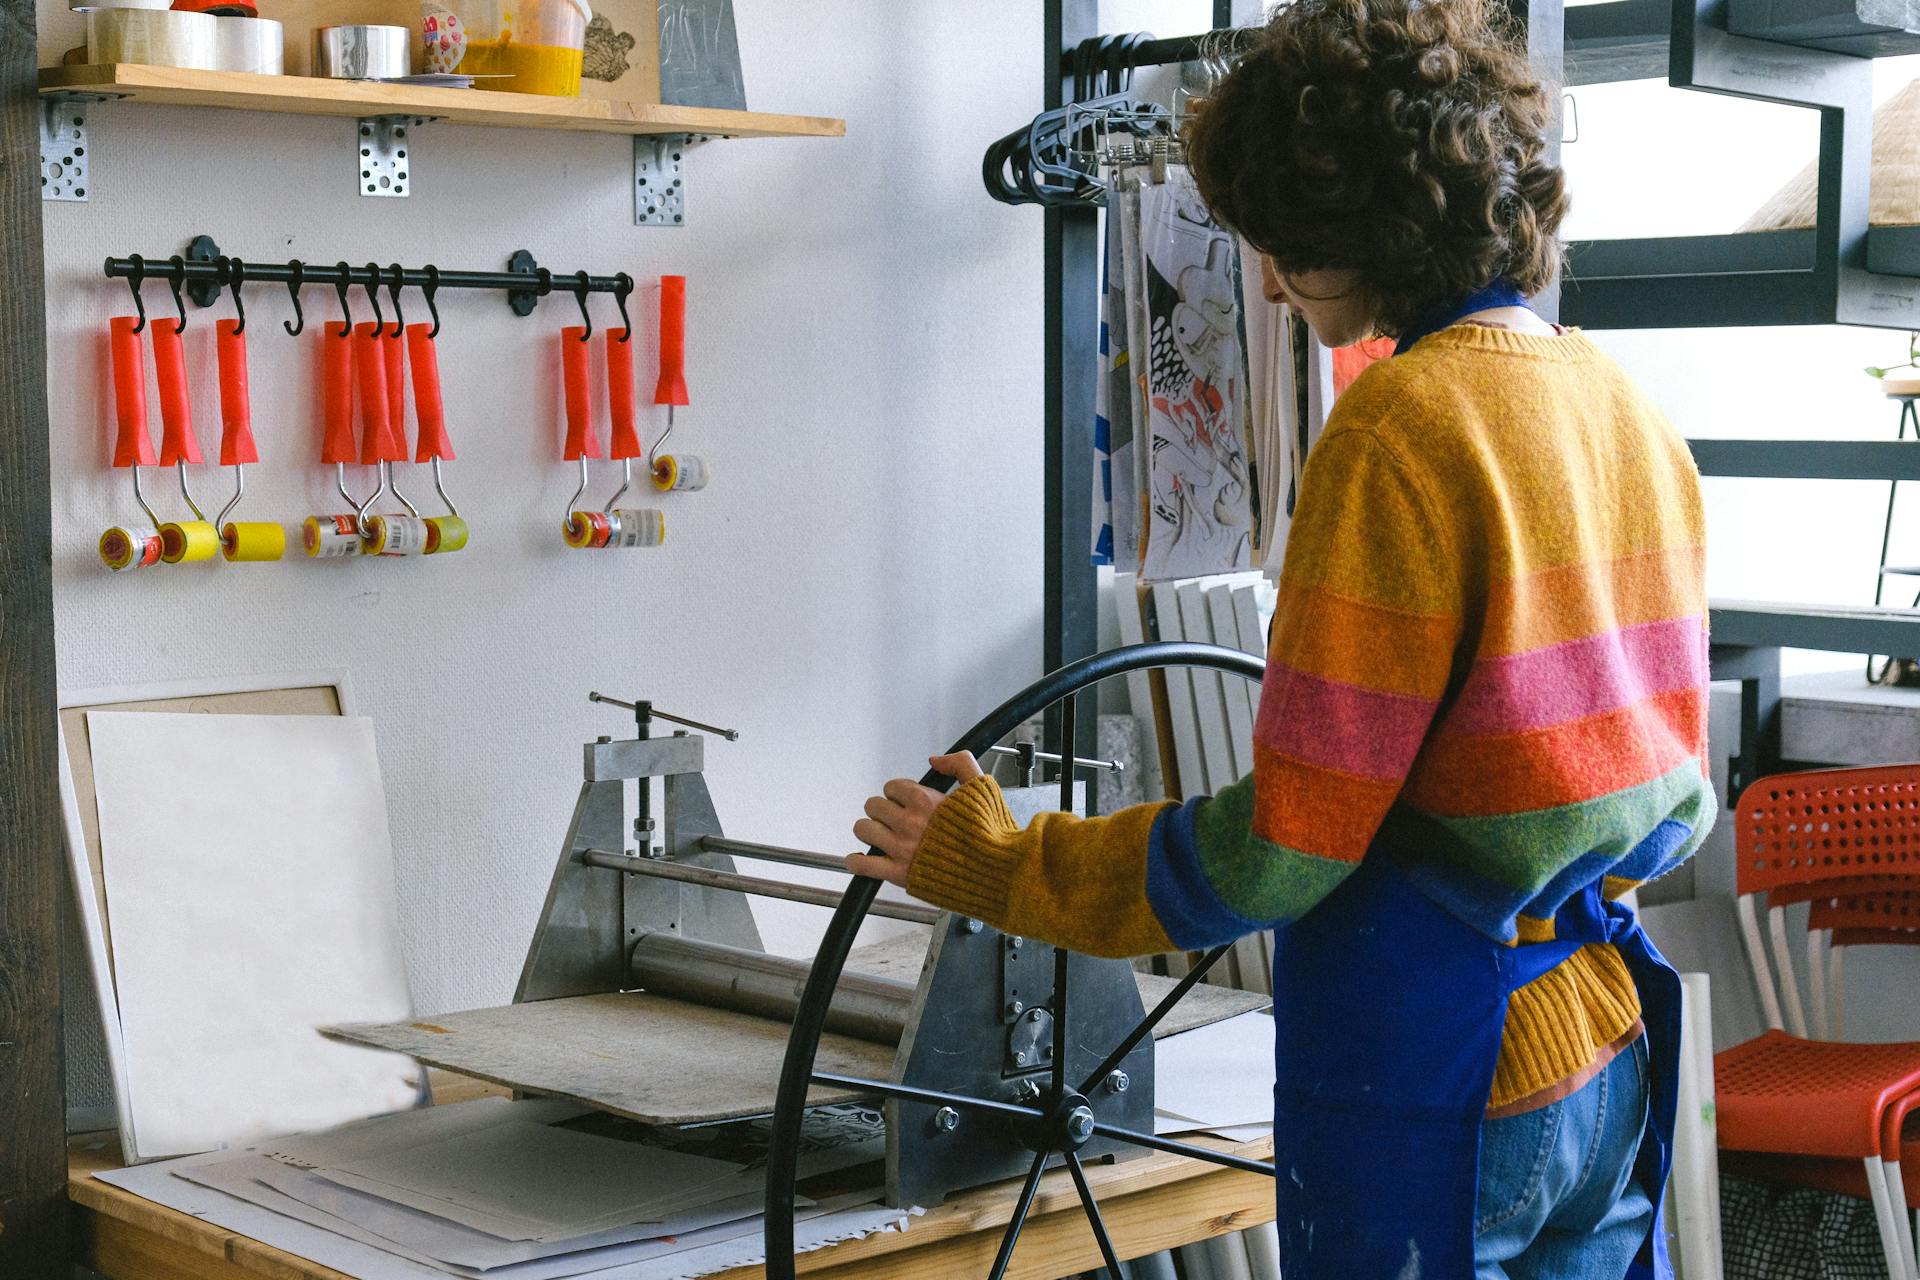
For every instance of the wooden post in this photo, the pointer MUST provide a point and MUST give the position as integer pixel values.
(33, 1158)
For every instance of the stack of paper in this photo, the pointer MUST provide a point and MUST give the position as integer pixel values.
(1217, 1078)
(501, 1190)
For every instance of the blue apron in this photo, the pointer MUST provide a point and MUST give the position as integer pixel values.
(1388, 1013)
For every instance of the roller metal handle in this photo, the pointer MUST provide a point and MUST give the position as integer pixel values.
(236, 412)
(428, 409)
(672, 387)
(133, 444)
(336, 381)
(620, 400)
(581, 442)
(177, 441)
(394, 355)
(370, 377)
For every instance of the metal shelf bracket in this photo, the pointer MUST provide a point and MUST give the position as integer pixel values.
(659, 178)
(64, 166)
(382, 155)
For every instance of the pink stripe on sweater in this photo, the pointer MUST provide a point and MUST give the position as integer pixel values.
(1331, 725)
(1579, 678)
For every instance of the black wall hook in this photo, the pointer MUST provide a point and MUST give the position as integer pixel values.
(427, 291)
(340, 287)
(580, 296)
(235, 273)
(134, 278)
(299, 321)
(175, 279)
(394, 286)
(622, 289)
(373, 296)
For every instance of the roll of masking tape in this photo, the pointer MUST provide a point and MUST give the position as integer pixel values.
(394, 536)
(586, 529)
(188, 541)
(637, 527)
(125, 549)
(679, 471)
(330, 537)
(253, 540)
(155, 37)
(445, 533)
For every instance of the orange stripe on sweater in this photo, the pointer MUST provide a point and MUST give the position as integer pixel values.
(1322, 811)
(1574, 601)
(1562, 764)
(1387, 650)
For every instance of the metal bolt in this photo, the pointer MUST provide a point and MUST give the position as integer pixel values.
(603, 738)
(1019, 1057)
(946, 1119)
(1080, 1124)
(1014, 943)
(1015, 1009)
(1033, 1015)
(1117, 1082)
(972, 925)
(1026, 1091)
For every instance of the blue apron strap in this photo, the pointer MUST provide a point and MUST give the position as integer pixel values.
(1500, 293)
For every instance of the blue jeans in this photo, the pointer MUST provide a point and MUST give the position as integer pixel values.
(1558, 1198)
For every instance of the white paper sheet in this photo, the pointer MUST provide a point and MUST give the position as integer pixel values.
(536, 1182)
(250, 891)
(697, 1254)
(1217, 1075)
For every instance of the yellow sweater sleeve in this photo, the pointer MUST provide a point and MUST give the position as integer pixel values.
(1078, 882)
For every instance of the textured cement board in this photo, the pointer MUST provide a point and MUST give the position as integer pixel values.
(652, 1059)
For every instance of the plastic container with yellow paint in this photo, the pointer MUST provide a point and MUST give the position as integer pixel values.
(536, 46)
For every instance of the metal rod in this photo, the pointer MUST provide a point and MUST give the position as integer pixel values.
(665, 870)
(1098, 1223)
(1069, 708)
(410, 278)
(1053, 757)
(775, 853)
(1019, 1218)
(1152, 1020)
(865, 1005)
(929, 1097)
(731, 735)
(1187, 1149)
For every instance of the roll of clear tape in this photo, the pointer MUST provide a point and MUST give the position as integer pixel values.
(679, 471)
(154, 37)
(585, 529)
(126, 549)
(253, 540)
(637, 527)
(394, 536)
(188, 541)
(444, 534)
(257, 45)
(330, 537)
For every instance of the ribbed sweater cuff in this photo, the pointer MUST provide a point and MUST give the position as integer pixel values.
(968, 856)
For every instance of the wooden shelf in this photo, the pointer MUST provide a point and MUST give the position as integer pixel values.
(310, 96)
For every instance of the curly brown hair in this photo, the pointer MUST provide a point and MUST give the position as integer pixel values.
(1402, 139)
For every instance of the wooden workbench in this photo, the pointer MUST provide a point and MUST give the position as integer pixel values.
(1150, 1203)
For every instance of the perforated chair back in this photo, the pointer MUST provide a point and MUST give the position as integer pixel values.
(1814, 834)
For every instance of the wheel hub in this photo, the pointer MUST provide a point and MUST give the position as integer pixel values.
(1066, 1126)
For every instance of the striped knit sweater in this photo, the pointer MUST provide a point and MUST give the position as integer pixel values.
(1491, 617)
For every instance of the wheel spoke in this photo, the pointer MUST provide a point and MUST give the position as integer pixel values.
(1019, 1218)
(1067, 753)
(931, 1097)
(1152, 1020)
(1093, 1217)
(1187, 1149)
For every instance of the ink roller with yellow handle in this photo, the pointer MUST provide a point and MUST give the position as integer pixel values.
(182, 541)
(240, 540)
(330, 537)
(432, 445)
(674, 471)
(121, 547)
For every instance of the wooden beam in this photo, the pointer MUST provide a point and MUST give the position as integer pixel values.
(33, 1155)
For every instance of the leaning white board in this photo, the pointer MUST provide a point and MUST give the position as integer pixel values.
(249, 874)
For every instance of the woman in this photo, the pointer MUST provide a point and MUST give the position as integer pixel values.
(1484, 712)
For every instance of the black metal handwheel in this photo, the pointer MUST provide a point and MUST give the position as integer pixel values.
(1060, 1121)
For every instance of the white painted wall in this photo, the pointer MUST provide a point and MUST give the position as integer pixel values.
(861, 581)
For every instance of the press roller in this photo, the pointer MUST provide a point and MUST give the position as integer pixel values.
(646, 990)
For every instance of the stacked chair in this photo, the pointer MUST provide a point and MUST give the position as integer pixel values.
(1794, 1105)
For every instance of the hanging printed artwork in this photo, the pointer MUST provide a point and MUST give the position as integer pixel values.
(1184, 288)
(1116, 486)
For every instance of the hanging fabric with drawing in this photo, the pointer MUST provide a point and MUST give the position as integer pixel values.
(1186, 305)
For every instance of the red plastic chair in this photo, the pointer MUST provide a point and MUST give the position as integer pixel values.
(1827, 835)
